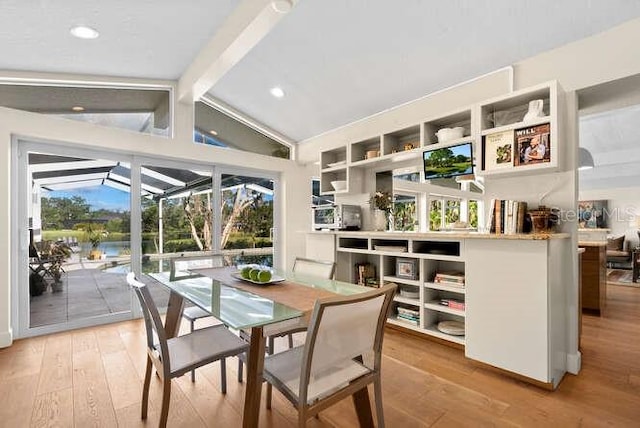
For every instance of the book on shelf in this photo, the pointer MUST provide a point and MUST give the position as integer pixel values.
(453, 303)
(411, 320)
(533, 145)
(508, 217)
(365, 273)
(408, 312)
(455, 278)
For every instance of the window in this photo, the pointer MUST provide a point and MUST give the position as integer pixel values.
(141, 110)
(446, 213)
(405, 213)
(216, 128)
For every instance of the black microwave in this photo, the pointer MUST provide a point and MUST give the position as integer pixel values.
(337, 217)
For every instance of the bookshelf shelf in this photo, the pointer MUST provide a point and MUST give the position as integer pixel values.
(445, 287)
(400, 299)
(434, 305)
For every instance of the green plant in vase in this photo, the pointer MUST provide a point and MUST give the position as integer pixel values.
(94, 234)
(382, 202)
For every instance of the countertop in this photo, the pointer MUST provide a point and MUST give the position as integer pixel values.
(592, 243)
(444, 235)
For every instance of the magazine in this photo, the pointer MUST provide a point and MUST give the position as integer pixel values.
(533, 145)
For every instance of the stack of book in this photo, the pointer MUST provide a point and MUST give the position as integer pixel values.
(508, 217)
(451, 278)
(453, 303)
(409, 315)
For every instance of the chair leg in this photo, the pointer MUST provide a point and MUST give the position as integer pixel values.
(290, 336)
(239, 370)
(270, 350)
(223, 375)
(145, 389)
(377, 393)
(302, 418)
(193, 372)
(166, 397)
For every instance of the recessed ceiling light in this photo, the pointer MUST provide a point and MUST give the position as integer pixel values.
(277, 92)
(213, 132)
(84, 32)
(281, 6)
(77, 108)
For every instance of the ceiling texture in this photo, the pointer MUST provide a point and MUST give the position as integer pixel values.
(336, 60)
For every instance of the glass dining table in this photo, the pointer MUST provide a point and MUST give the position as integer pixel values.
(246, 306)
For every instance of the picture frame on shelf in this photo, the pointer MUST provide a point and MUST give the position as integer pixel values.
(497, 150)
(533, 145)
(406, 268)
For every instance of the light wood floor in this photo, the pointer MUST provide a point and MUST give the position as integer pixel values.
(92, 377)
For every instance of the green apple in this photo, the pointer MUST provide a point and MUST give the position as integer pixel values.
(253, 274)
(264, 276)
(246, 271)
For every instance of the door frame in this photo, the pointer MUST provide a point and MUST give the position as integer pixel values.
(21, 146)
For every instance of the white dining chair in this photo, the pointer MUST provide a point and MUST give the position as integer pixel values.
(173, 357)
(181, 266)
(341, 354)
(315, 268)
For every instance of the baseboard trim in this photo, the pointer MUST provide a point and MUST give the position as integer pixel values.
(6, 338)
(574, 363)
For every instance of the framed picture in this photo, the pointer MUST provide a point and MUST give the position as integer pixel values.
(592, 214)
(497, 150)
(406, 268)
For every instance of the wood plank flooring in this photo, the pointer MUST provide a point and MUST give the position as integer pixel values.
(93, 377)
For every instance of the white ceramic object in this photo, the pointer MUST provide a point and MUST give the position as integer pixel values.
(535, 110)
(339, 185)
(448, 134)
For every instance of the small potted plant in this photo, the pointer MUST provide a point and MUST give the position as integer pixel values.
(58, 252)
(94, 235)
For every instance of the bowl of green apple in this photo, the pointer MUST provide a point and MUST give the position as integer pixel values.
(257, 274)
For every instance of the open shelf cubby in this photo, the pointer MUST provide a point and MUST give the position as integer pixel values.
(402, 140)
(454, 120)
(512, 110)
(366, 149)
(437, 248)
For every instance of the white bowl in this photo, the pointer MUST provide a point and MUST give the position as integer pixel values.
(447, 134)
(339, 185)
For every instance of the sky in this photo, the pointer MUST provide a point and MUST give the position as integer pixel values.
(99, 197)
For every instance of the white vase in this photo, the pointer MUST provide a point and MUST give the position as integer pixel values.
(380, 220)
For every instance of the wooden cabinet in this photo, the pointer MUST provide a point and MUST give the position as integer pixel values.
(594, 278)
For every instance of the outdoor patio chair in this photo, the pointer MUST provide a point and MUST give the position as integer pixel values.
(173, 357)
(49, 265)
(341, 355)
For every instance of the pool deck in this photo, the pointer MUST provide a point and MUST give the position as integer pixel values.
(95, 288)
(87, 291)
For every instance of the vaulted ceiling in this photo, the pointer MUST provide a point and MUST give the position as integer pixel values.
(336, 60)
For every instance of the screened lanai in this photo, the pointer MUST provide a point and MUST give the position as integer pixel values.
(177, 218)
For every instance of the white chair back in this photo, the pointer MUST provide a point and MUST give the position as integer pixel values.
(156, 334)
(343, 329)
(317, 268)
(181, 266)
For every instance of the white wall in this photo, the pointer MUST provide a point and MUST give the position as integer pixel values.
(623, 205)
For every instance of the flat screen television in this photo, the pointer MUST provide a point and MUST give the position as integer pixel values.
(448, 161)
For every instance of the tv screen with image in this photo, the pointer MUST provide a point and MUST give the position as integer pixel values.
(448, 161)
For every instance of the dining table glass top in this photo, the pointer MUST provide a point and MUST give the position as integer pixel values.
(241, 309)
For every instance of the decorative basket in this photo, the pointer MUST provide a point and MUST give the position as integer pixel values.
(544, 219)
